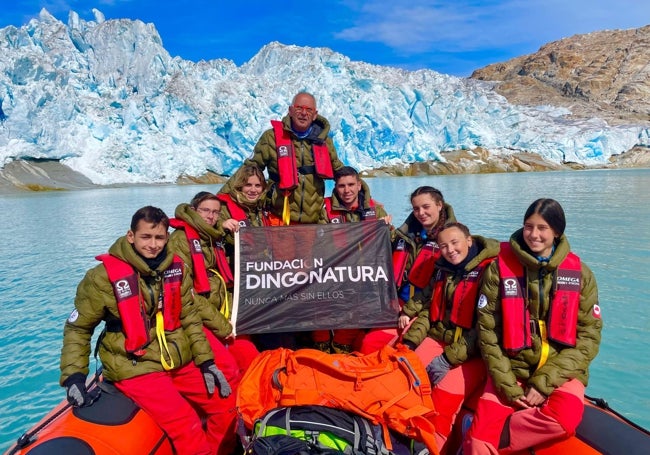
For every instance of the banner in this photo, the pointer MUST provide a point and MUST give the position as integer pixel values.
(313, 276)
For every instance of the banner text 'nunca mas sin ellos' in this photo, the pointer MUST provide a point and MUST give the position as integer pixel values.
(313, 276)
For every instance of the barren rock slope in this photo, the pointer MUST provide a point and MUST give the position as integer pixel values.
(602, 74)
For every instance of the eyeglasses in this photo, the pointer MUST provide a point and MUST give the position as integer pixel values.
(305, 109)
(208, 211)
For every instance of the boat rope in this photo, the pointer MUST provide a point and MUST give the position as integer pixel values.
(602, 403)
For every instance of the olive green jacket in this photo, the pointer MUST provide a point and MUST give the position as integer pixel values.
(466, 347)
(95, 302)
(563, 363)
(208, 306)
(409, 231)
(256, 214)
(354, 216)
(306, 200)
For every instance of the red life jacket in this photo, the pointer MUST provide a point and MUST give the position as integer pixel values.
(237, 211)
(424, 263)
(464, 298)
(565, 302)
(287, 166)
(338, 216)
(400, 258)
(201, 281)
(133, 316)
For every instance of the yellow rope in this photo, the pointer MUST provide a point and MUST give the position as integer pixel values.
(458, 333)
(162, 341)
(286, 212)
(544, 355)
(225, 306)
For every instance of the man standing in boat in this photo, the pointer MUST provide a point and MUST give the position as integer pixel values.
(153, 348)
(298, 155)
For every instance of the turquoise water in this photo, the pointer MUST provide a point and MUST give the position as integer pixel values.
(52, 238)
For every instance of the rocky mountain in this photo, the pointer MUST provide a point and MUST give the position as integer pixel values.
(602, 74)
(102, 103)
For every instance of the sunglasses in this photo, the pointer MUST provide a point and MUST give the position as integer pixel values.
(306, 109)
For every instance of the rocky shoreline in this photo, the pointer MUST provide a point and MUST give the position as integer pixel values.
(49, 175)
(481, 161)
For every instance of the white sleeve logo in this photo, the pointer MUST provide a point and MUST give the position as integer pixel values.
(73, 316)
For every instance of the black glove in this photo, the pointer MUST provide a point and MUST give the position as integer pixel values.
(437, 369)
(212, 376)
(76, 392)
(409, 344)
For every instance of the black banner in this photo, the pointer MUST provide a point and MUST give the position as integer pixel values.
(312, 277)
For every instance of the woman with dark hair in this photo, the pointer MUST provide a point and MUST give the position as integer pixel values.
(415, 247)
(539, 328)
(415, 252)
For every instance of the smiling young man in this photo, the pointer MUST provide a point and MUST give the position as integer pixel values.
(299, 156)
(153, 349)
(350, 201)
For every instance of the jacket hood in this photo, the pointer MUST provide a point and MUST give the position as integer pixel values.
(185, 213)
(122, 249)
(518, 244)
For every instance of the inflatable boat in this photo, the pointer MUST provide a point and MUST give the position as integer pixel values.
(114, 425)
(601, 431)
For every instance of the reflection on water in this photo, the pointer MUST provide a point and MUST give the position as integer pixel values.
(51, 240)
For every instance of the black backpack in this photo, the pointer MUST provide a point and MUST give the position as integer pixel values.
(330, 430)
(280, 444)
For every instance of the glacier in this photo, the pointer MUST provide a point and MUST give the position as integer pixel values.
(105, 98)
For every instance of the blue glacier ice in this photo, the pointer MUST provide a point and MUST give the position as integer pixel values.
(107, 99)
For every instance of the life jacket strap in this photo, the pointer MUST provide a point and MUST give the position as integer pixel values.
(162, 341)
(286, 211)
(113, 326)
(305, 170)
(225, 306)
(458, 333)
(543, 334)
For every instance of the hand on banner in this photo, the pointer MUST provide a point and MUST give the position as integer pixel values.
(403, 321)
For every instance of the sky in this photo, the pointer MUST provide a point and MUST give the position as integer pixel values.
(449, 36)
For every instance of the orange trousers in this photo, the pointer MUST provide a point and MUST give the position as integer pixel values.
(498, 428)
(348, 337)
(243, 350)
(169, 398)
(449, 394)
(376, 339)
